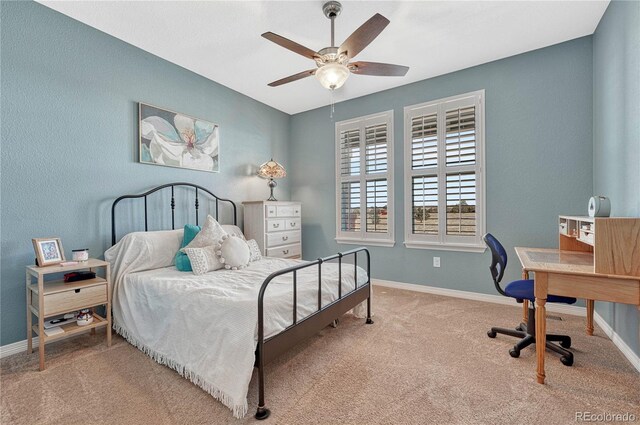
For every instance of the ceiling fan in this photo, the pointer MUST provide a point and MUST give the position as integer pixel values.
(333, 63)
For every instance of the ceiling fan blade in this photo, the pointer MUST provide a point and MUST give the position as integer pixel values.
(294, 77)
(363, 35)
(380, 69)
(291, 45)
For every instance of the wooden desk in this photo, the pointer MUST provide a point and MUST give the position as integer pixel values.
(571, 274)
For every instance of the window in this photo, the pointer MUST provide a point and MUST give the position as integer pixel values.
(444, 173)
(364, 164)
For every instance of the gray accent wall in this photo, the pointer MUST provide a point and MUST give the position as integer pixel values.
(69, 138)
(616, 133)
(538, 161)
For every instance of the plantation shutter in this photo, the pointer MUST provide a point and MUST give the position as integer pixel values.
(350, 153)
(461, 204)
(364, 166)
(460, 139)
(444, 180)
(376, 149)
(460, 148)
(424, 141)
(350, 210)
(424, 217)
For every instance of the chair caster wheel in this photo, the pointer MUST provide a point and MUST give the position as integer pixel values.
(514, 352)
(566, 343)
(566, 360)
(491, 334)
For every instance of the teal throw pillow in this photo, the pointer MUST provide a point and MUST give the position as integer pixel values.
(182, 260)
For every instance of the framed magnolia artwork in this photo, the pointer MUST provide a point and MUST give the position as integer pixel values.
(176, 140)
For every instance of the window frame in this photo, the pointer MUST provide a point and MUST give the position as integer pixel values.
(442, 241)
(362, 236)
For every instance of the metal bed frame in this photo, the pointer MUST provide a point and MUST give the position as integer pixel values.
(270, 348)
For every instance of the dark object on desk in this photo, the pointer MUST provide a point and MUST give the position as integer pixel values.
(77, 276)
(523, 290)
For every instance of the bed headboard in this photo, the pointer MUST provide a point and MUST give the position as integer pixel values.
(198, 191)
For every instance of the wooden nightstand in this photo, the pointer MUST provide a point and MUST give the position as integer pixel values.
(54, 298)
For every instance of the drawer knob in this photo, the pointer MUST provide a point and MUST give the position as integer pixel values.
(285, 251)
(285, 238)
(293, 224)
(77, 291)
(276, 225)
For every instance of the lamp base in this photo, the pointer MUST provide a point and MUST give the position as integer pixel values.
(272, 183)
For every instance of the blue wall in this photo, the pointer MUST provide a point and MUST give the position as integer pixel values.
(538, 161)
(69, 137)
(616, 134)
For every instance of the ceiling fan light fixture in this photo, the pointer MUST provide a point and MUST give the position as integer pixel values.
(332, 75)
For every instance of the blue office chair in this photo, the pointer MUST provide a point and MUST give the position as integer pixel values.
(523, 290)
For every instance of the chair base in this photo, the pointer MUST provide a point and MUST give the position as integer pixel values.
(526, 331)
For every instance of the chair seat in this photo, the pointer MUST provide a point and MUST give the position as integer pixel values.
(523, 290)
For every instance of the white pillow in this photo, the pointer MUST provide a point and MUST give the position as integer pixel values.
(210, 233)
(203, 260)
(138, 251)
(233, 252)
(232, 229)
(254, 250)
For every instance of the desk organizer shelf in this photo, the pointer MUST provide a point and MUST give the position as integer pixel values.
(576, 233)
(614, 241)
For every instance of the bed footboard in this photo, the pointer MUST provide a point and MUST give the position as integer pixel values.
(299, 330)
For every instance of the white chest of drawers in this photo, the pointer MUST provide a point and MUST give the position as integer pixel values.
(276, 226)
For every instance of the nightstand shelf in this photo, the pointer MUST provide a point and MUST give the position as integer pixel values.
(73, 328)
(56, 297)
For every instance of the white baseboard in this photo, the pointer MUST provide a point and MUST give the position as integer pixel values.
(617, 341)
(16, 347)
(496, 299)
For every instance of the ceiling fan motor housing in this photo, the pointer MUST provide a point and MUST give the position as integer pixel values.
(332, 9)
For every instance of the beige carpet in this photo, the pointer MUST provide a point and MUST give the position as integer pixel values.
(426, 360)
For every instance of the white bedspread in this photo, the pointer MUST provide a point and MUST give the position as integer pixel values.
(205, 327)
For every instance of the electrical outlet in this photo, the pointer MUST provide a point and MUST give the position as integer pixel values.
(436, 261)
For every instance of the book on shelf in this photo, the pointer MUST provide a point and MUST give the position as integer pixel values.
(54, 331)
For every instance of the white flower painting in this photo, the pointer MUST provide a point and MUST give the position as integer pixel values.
(177, 140)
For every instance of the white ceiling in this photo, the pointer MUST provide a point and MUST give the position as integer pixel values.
(221, 39)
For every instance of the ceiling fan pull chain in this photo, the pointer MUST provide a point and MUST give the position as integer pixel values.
(332, 105)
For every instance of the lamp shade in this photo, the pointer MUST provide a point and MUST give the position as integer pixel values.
(332, 75)
(272, 170)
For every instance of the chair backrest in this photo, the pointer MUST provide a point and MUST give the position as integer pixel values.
(498, 260)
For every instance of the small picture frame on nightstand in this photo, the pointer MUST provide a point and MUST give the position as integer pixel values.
(48, 251)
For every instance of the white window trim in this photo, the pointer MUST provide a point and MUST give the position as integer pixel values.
(362, 237)
(438, 242)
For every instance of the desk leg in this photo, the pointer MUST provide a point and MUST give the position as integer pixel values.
(541, 287)
(525, 303)
(590, 304)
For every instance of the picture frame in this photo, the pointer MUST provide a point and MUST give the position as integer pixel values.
(49, 251)
(174, 139)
